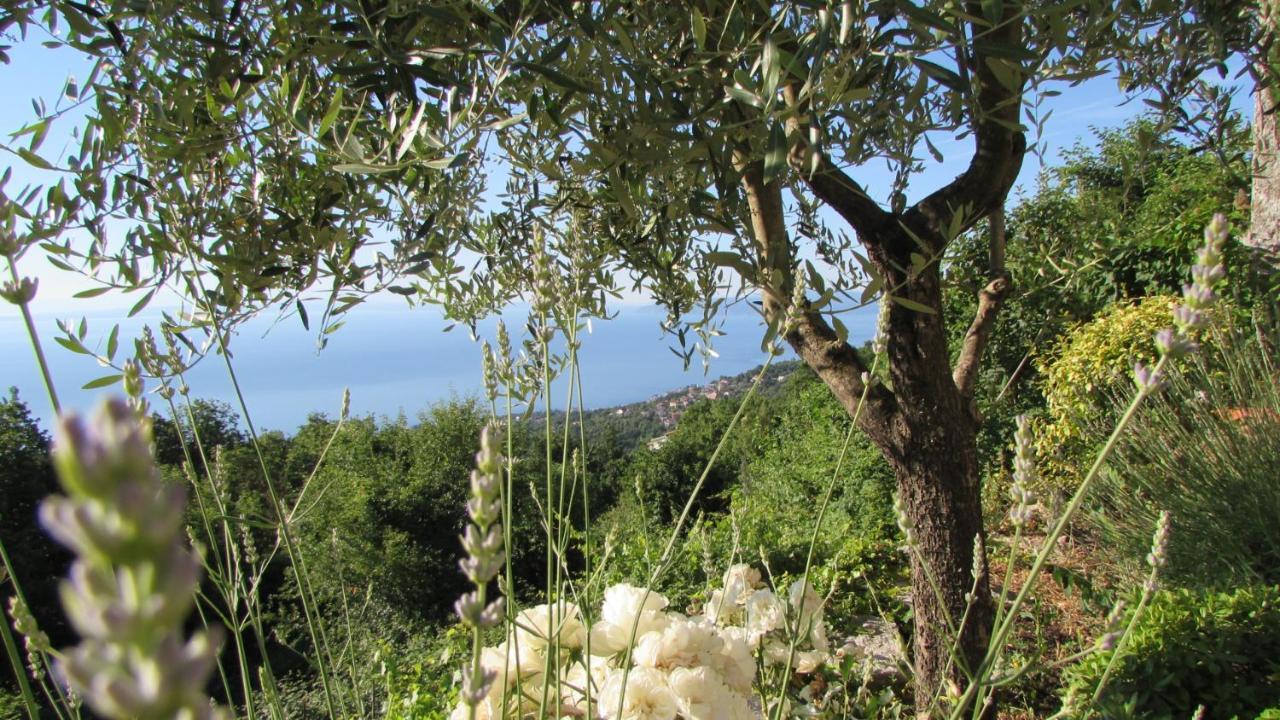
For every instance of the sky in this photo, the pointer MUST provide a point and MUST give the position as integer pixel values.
(401, 361)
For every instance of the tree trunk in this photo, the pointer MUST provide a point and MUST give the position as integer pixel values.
(1264, 221)
(937, 475)
(928, 434)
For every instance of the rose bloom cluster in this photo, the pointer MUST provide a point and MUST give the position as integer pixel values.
(640, 661)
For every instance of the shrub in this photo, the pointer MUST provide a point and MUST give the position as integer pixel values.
(1205, 451)
(1088, 365)
(1192, 648)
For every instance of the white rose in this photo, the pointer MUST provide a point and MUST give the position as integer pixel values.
(739, 580)
(512, 658)
(812, 602)
(578, 679)
(700, 693)
(646, 697)
(623, 602)
(765, 614)
(683, 643)
(538, 625)
(627, 613)
(734, 662)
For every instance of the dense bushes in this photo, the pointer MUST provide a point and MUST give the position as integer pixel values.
(1192, 648)
(1082, 371)
(1206, 451)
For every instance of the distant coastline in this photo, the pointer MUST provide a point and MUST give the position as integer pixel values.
(394, 361)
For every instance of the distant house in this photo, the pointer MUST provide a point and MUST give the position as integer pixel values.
(656, 444)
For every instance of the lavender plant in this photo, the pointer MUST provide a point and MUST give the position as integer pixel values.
(1173, 344)
(134, 578)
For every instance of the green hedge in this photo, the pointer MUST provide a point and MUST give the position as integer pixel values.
(1192, 648)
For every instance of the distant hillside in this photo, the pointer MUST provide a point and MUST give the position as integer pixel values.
(635, 423)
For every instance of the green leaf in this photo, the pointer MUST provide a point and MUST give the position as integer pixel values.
(770, 67)
(699, 26)
(443, 163)
(946, 76)
(731, 260)
(331, 114)
(1008, 74)
(71, 344)
(556, 76)
(775, 159)
(104, 381)
(92, 292)
(34, 160)
(142, 303)
(113, 342)
(842, 332)
(361, 169)
(302, 315)
(507, 122)
(743, 95)
(929, 18)
(913, 305)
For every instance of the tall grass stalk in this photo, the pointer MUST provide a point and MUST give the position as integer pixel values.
(795, 632)
(665, 559)
(15, 659)
(23, 301)
(977, 691)
(306, 593)
(21, 292)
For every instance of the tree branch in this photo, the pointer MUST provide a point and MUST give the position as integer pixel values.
(835, 188)
(836, 362)
(990, 299)
(997, 159)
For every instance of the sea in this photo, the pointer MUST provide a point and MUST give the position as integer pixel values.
(395, 361)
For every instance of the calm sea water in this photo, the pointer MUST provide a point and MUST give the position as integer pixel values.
(394, 360)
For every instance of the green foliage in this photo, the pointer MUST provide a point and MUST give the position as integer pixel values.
(11, 705)
(387, 505)
(1192, 648)
(26, 477)
(1206, 451)
(1114, 222)
(420, 681)
(782, 460)
(795, 459)
(215, 424)
(670, 472)
(1081, 372)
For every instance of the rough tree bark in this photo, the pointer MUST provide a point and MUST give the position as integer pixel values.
(1264, 212)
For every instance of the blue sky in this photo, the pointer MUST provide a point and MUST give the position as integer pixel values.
(282, 365)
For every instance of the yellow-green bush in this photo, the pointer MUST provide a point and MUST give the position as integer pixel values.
(1087, 365)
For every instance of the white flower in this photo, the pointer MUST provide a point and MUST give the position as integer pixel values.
(812, 602)
(576, 682)
(735, 662)
(645, 697)
(537, 625)
(765, 613)
(776, 652)
(511, 659)
(623, 602)
(739, 580)
(683, 643)
(721, 609)
(628, 612)
(700, 693)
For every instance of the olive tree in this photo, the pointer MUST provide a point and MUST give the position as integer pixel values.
(254, 154)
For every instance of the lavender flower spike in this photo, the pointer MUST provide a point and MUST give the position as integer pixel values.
(134, 578)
